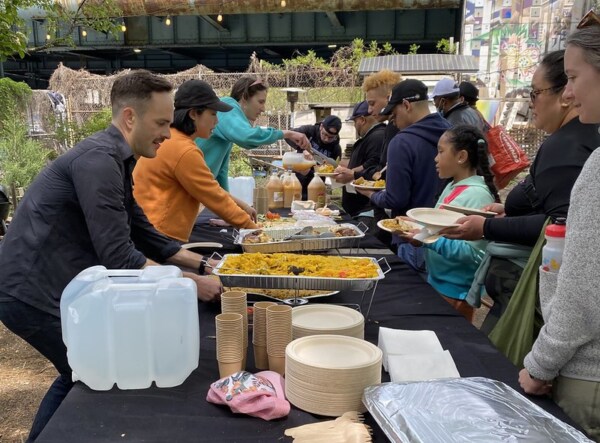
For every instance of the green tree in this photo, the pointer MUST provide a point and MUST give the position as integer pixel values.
(446, 46)
(413, 49)
(60, 23)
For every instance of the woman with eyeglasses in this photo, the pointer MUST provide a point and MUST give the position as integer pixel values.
(565, 358)
(248, 99)
(545, 192)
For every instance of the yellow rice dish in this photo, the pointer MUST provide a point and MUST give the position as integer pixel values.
(305, 265)
(325, 169)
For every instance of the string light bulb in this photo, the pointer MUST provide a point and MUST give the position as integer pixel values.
(220, 17)
(283, 3)
(123, 27)
(84, 33)
(48, 36)
(168, 21)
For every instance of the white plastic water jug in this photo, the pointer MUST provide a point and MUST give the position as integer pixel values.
(131, 327)
(242, 188)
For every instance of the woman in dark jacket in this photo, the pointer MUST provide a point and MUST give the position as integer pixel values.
(546, 190)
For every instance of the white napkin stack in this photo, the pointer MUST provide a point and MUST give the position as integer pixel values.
(415, 356)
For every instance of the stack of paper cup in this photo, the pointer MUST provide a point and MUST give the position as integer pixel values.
(236, 302)
(259, 334)
(230, 343)
(279, 334)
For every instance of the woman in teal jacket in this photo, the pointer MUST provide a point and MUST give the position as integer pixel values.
(248, 98)
(451, 264)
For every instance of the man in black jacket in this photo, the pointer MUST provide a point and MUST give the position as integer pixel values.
(446, 98)
(324, 137)
(80, 212)
(365, 157)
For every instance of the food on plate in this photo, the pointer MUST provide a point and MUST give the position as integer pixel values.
(343, 231)
(370, 183)
(257, 236)
(325, 169)
(397, 225)
(297, 264)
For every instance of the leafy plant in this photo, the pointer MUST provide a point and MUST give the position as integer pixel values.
(21, 158)
(413, 49)
(446, 46)
(238, 163)
(60, 22)
(13, 98)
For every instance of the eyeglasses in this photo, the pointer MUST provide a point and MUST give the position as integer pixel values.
(535, 92)
(589, 19)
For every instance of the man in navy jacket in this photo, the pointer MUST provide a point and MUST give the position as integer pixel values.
(411, 180)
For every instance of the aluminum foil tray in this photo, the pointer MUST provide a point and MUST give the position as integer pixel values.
(462, 410)
(312, 244)
(300, 282)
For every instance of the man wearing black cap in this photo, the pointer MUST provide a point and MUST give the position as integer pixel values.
(446, 98)
(411, 180)
(324, 137)
(365, 158)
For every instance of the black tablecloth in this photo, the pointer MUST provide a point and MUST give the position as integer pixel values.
(402, 300)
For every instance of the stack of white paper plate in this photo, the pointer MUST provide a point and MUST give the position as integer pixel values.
(322, 319)
(327, 374)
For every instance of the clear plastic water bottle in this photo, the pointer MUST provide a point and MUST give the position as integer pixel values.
(555, 244)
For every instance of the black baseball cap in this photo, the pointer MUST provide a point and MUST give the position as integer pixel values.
(410, 90)
(198, 94)
(360, 110)
(332, 124)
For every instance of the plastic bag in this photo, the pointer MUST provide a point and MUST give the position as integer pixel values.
(507, 157)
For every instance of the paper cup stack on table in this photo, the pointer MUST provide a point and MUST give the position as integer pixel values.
(415, 356)
(230, 343)
(236, 302)
(279, 335)
(327, 374)
(259, 334)
(322, 319)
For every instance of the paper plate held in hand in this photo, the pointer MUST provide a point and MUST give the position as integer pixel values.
(440, 218)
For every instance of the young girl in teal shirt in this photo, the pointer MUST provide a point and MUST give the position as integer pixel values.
(451, 264)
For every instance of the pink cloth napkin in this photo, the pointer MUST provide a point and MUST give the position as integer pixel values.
(259, 395)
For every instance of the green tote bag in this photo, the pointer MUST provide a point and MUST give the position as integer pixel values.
(517, 329)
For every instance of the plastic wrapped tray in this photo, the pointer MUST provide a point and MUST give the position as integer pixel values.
(309, 244)
(300, 281)
(462, 410)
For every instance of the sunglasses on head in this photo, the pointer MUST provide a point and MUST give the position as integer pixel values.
(589, 19)
(258, 81)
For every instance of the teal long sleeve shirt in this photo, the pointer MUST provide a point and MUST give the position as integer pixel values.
(451, 264)
(233, 127)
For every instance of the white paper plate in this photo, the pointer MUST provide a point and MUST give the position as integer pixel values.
(367, 188)
(325, 317)
(334, 352)
(468, 211)
(408, 222)
(326, 174)
(434, 217)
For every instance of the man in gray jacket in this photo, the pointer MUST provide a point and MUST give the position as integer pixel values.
(446, 98)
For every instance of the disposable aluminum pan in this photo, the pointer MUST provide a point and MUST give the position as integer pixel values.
(301, 282)
(462, 410)
(309, 244)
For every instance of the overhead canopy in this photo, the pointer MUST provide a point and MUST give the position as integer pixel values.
(420, 64)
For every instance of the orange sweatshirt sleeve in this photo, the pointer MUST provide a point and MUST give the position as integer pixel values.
(193, 174)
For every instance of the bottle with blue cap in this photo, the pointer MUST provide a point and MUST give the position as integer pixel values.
(552, 252)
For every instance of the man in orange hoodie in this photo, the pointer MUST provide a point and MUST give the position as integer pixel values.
(171, 186)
